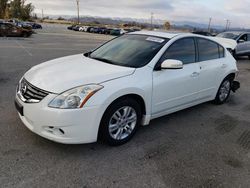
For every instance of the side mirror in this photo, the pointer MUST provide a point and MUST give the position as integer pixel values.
(241, 41)
(171, 64)
(87, 54)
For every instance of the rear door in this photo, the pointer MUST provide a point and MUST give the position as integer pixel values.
(211, 62)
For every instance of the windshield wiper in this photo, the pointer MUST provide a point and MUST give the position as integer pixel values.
(104, 60)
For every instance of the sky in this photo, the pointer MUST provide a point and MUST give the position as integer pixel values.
(200, 11)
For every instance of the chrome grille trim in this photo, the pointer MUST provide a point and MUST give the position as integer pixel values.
(29, 93)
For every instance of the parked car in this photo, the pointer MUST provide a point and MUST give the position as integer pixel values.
(71, 27)
(76, 28)
(117, 32)
(89, 29)
(98, 30)
(204, 33)
(243, 42)
(77, 99)
(83, 28)
(92, 29)
(34, 25)
(10, 30)
(106, 31)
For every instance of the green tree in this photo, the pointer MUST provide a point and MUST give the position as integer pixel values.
(3, 7)
(167, 25)
(18, 9)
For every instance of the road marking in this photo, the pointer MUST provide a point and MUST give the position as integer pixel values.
(20, 45)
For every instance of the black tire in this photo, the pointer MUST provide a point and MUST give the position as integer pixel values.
(219, 99)
(104, 131)
(25, 35)
(249, 57)
(3, 35)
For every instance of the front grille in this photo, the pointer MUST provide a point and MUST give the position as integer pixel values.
(30, 93)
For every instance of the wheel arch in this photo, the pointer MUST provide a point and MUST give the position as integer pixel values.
(138, 98)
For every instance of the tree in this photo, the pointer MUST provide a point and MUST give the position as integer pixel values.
(167, 25)
(60, 18)
(3, 7)
(16, 9)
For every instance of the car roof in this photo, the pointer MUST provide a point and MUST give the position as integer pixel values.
(169, 35)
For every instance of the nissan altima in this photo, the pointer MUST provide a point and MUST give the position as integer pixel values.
(109, 92)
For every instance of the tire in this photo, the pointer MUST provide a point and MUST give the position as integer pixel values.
(224, 91)
(249, 57)
(115, 129)
(25, 35)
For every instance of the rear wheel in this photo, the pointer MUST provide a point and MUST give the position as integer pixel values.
(25, 35)
(224, 91)
(120, 122)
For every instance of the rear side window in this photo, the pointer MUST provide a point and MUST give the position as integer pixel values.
(221, 51)
(183, 50)
(248, 37)
(207, 49)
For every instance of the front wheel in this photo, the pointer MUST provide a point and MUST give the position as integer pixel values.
(120, 122)
(224, 91)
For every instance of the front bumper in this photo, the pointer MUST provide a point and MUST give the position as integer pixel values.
(68, 126)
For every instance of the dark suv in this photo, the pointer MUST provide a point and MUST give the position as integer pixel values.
(10, 30)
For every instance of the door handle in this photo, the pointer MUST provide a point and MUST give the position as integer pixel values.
(195, 74)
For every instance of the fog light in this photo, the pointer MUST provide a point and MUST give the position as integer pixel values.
(55, 131)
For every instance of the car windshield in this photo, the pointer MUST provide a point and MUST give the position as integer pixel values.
(232, 35)
(129, 50)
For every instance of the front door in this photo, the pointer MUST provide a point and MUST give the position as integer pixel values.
(243, 47)
(175, 88)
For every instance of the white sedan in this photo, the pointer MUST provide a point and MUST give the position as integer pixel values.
(109, 92)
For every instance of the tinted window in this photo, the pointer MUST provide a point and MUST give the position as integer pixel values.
(183, 50)
(243, 37)
(208, 50)
(248, 37)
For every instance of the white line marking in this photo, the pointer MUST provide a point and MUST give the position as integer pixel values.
(30, 54)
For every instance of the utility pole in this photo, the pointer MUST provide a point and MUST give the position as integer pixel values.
(209, 24)
(42, 14)
(78, 11)
(152, 16)
(227, 24)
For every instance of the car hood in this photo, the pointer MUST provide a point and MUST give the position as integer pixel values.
(227, 43)
(62, 74)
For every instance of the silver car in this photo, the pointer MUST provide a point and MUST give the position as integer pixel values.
(243, 40)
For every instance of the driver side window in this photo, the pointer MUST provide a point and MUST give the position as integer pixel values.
(243, 37)
(182, 50)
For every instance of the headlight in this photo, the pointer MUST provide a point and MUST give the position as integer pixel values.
(75, 98)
